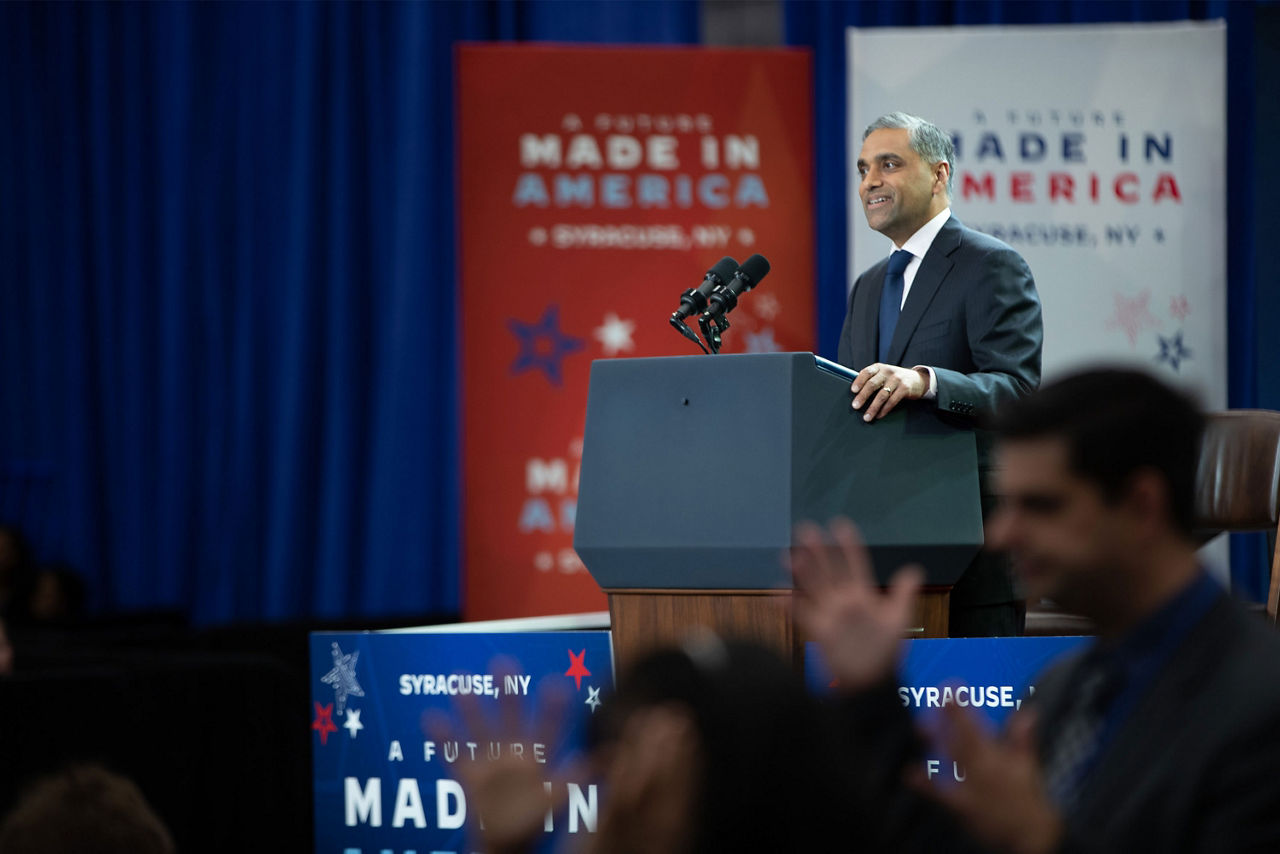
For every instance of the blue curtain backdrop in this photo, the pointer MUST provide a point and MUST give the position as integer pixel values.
(229, 373)
(821, 24)
(228, 361)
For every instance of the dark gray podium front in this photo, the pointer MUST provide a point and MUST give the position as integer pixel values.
(695, 470)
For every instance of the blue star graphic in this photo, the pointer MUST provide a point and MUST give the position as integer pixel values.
(1173, 351)
(543, 345)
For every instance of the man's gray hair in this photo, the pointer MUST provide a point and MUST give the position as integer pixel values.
(926, 139)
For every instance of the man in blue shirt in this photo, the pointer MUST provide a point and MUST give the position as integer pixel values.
(1164, 733)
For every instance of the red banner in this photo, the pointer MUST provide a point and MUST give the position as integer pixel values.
(595, 186)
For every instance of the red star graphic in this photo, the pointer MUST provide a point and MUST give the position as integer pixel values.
(323, 723)
(577, 669)
(1179, 307)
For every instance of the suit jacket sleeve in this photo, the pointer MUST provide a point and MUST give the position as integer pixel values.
(1002, 324)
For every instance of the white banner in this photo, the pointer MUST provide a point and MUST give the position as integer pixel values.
(1095, 151)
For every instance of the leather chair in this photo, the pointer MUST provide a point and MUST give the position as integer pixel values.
(1237, 490)
(1238, 481)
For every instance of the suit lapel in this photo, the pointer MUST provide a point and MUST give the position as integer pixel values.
(934, 267)
(867, 308)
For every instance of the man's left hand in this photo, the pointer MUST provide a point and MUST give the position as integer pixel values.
(839, 604)
(879, 388)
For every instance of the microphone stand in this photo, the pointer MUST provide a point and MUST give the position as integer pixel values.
(686, 331)
(713, 326)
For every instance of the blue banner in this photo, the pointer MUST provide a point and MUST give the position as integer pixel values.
(989, 676)
(384, 778)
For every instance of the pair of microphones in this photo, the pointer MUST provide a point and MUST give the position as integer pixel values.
(718, 295)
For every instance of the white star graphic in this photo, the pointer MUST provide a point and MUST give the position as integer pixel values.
(614, 334)
(353, 722)
(762, 342)
(343, 677)
(593, 698)
(766, 306)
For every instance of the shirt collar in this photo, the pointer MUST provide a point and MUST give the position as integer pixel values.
(1160, 632)
(918, 244)
(1129, 665)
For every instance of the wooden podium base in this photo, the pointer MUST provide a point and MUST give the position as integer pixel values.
(645, 619)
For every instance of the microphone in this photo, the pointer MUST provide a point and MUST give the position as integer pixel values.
(694, 301)
(725, 300)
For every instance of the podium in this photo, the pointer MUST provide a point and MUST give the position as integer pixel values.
(696, 469)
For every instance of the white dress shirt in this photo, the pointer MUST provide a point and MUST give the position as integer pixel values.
(918, 244)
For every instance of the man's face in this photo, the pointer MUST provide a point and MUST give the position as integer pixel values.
(1067, 541)
(900, 191)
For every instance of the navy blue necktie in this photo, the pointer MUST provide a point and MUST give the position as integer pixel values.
(891, 299)
(1074, 746)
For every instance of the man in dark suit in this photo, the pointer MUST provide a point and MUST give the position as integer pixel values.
(951, 319)
(1161, 735)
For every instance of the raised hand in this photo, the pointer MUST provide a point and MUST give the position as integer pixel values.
(839, 605)
(654, 774)
(1002, 800)
(508, 794)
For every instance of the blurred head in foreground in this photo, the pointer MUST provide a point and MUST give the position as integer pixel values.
(84, 809)
(717, 746)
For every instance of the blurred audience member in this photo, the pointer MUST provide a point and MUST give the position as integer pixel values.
(1162, 734)
(17, 574)
(57, 595)
(6, 651)
(720, 746)
(87, 810)
(714, 746)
